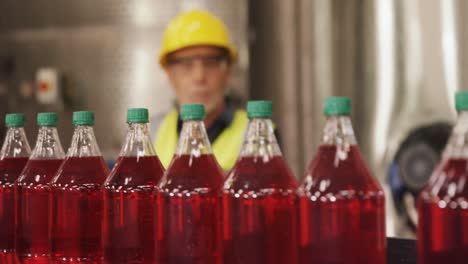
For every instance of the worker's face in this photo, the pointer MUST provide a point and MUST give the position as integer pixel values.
(199, 75)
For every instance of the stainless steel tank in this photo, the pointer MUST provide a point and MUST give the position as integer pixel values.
(400, 61)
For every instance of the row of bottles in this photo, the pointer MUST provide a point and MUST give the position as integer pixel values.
(258, 214)
(71, 209)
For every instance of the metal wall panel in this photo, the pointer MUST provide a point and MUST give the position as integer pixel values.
(400, 61)
(106, 52)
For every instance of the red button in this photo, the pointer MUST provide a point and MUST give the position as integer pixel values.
(43, 87)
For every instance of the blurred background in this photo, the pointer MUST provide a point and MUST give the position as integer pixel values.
(400, 61)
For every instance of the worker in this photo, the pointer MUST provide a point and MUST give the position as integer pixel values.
(197, 56)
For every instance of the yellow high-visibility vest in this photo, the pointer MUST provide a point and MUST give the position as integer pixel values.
(225, 148)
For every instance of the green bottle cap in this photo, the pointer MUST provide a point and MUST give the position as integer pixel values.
(259, 109)
(192, 112)
(337, 105)
(83, 118)
(137, 115)
(47, 119)
(461, 100)
(14, 120)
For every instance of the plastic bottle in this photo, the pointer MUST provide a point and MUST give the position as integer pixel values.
(77, 198)
(129, 231)
(260, 224)
(13, 157)
(443, 203)
(33, 192)
(341, 205)
(189, 198)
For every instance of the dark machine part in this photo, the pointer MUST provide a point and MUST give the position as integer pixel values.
(416, 158)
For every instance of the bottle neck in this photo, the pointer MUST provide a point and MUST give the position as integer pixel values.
(16, 144)
(457, 145)
(193, 139)
(48, 144)
(338, 131)
(137, 141)
(260, 140)
(83, 143)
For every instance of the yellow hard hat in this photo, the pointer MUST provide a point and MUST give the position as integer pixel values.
(194, 28)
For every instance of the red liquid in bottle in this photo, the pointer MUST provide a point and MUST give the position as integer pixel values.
(76, 215)
(443, 214)
(129, 215)
(10, 169)
(189, 202)
(32, 194)
(260, 213)
(342, 211)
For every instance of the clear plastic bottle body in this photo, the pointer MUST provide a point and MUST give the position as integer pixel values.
(32, 197)
(189, 222)
(77, 202)
(13, 157)
(341, 205)
(259, 211)
(129, 199)
(443, 204)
